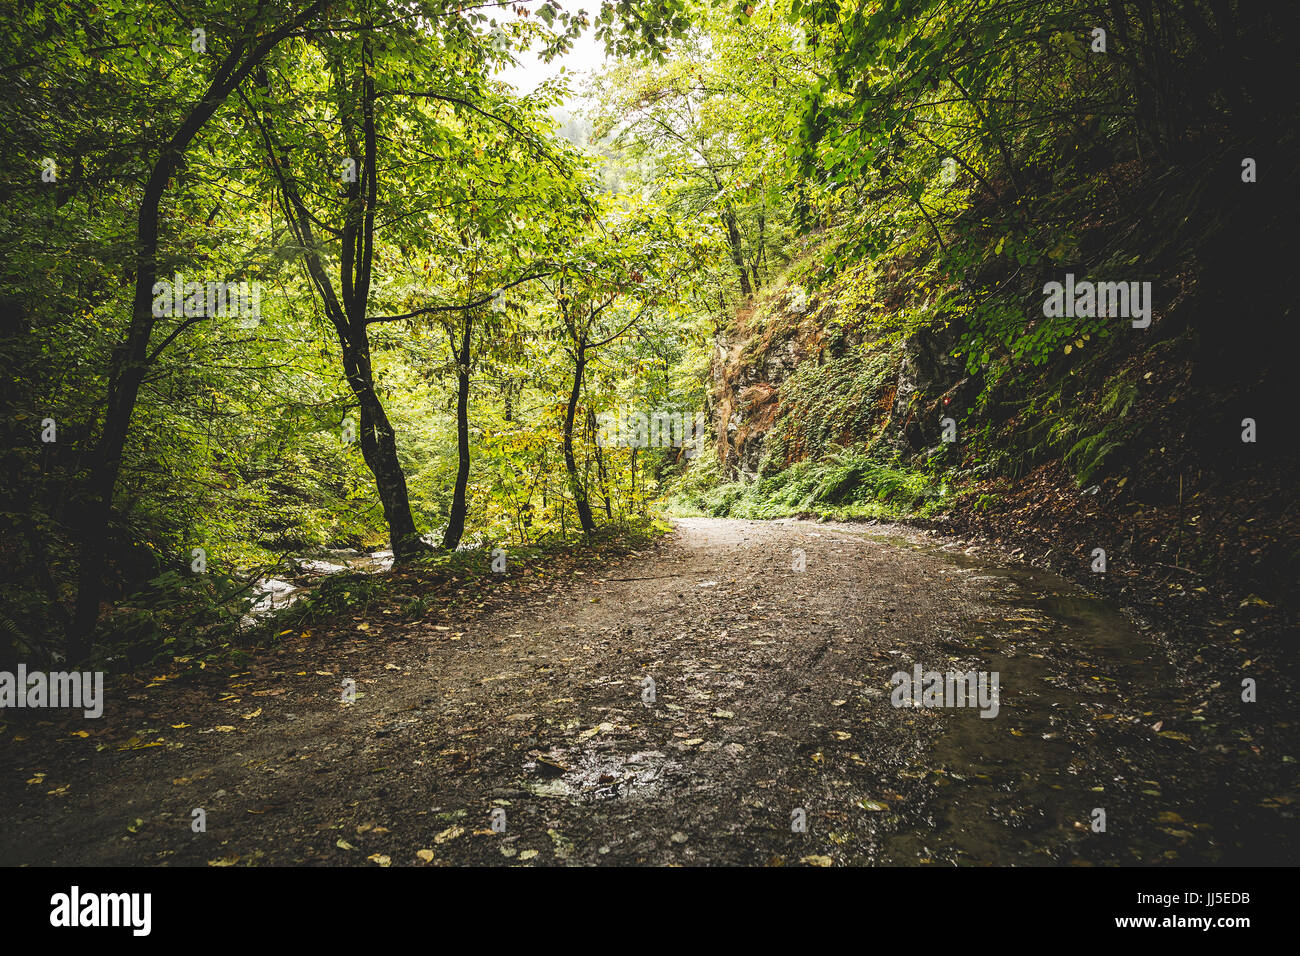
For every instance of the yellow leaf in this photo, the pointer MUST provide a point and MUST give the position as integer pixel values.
(449, 834)
(604, 727)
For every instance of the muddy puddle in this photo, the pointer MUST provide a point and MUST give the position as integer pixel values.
(1073, 671)
(593, 776)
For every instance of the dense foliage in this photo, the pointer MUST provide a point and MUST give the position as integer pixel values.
(444, 300)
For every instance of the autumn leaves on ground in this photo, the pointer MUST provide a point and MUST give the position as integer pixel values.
(682, 701)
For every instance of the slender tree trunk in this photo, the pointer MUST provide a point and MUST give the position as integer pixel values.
(127, 372)
(459, 506)
(379, 447)
(737, 255)
(347, 308)
(575, 480)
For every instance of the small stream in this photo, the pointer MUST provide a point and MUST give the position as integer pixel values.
(271, 594)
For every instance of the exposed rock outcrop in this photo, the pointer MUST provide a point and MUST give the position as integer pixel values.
(766, 346)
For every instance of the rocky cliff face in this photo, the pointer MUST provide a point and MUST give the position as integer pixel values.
(751, 361)
(772, 340)
(932, 386)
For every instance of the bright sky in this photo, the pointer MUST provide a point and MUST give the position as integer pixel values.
(587, 54)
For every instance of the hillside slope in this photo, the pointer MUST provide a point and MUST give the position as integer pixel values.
(1166, 446)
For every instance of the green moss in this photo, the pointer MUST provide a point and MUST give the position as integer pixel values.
(837, 402)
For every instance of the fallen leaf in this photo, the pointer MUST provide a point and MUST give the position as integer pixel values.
(604, 727)
(449, 834)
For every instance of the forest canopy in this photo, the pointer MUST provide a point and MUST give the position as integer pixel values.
(287, 275)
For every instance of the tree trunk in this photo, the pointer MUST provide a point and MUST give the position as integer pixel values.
(127, 368)
(131, 358)
(575, 480)
(379, 447)
(737, 255)
(349, 316)
(459, 506)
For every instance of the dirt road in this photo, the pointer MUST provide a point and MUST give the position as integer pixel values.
(692, 704)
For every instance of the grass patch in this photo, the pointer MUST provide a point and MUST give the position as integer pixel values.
(844, 485)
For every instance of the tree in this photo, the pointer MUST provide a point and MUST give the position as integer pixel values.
(638, 262)
(251, 37)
